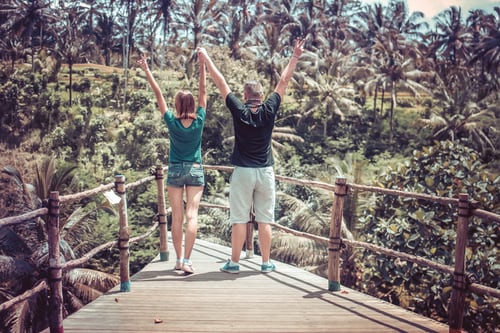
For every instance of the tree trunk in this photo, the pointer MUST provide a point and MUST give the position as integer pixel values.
(70, 65)
(391, 113)
(382, 102)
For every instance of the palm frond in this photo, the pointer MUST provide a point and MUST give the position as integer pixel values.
(14, 271)
(16, 318)
(14, 174)
(297, 250)
(97, 280)
(85, 293)
(73, 302)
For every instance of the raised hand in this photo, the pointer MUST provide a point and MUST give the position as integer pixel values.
(143, 63)
(299, 47)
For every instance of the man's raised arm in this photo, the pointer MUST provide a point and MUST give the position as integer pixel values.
(216, 75)
(290, 68)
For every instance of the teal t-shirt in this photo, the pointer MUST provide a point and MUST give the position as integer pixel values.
(185, 142)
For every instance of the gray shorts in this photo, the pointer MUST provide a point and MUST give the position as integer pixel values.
(252, 189)
(185, 174)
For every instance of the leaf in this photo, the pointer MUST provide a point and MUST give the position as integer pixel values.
(429, 181)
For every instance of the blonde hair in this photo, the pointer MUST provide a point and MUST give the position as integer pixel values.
(253, 90)
(185, 105)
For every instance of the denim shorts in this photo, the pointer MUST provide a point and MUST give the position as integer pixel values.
(185, 174)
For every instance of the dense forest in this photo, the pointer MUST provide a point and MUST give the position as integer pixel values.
(382, 96)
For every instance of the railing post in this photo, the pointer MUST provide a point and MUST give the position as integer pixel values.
(55, 270)
(162, 214)
(457, 299)
(335, 240)
(249, 251)
(124, 234)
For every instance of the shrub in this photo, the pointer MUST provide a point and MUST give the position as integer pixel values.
(429, 230)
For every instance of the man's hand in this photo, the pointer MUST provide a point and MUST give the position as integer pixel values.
(299, 47)
(202, 53)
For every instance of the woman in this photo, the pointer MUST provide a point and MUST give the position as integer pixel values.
(185, 169)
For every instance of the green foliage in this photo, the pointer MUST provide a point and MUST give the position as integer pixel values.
(105, 134)
(429, 230)
(142, 142)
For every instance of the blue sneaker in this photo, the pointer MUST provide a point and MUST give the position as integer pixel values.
(230, 268)
(267, 267)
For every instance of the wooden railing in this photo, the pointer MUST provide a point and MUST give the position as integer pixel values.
(335, 242)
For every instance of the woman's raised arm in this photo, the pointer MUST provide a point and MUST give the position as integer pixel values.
(143, 63)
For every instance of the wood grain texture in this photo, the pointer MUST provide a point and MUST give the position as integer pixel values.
(287, 300)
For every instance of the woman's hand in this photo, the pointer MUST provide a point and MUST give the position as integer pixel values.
(202, 54)
(143, 63)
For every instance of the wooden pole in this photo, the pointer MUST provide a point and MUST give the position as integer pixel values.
(55, 270)
(335, 240)
(162, 214)
(124, 235)
(457, 299)
(249, 253)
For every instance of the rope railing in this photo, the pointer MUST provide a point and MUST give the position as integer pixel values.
(334, 242)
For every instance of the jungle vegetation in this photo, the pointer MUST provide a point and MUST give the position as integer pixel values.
(382, 96)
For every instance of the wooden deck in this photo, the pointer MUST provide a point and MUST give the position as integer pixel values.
(288, 300)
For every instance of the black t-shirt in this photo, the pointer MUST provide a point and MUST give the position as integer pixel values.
(252, 131)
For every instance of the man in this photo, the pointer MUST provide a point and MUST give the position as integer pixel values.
(252, 182)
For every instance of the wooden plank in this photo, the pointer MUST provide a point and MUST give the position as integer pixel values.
(288, 300)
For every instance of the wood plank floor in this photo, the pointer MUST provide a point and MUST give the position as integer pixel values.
(288, 300)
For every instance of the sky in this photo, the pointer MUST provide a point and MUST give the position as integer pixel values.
(433, 7)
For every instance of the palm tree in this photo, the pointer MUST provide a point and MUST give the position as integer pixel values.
(14, 49)
(367, 24)
(276, 27)
(160, 16)
(329, 91)
(487, 50)
(105, 36)
(24, 17)
(244, 19)
(24, 256)
(71, 45)
(451, 40)
(410, 25)
(393, 67)
(199, 20)
(461, 115)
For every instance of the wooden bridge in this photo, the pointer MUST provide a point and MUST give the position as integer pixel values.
(287, 300)
(158, 299)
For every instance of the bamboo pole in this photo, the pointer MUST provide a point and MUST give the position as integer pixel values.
(40, 287)
(55, 270)
(457, 299)
(124, 235)
(162, 214)
(249, 251)
(335, 240)
(86, 194)
(11, 220)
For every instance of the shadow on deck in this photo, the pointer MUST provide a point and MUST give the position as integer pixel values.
(288, 300)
